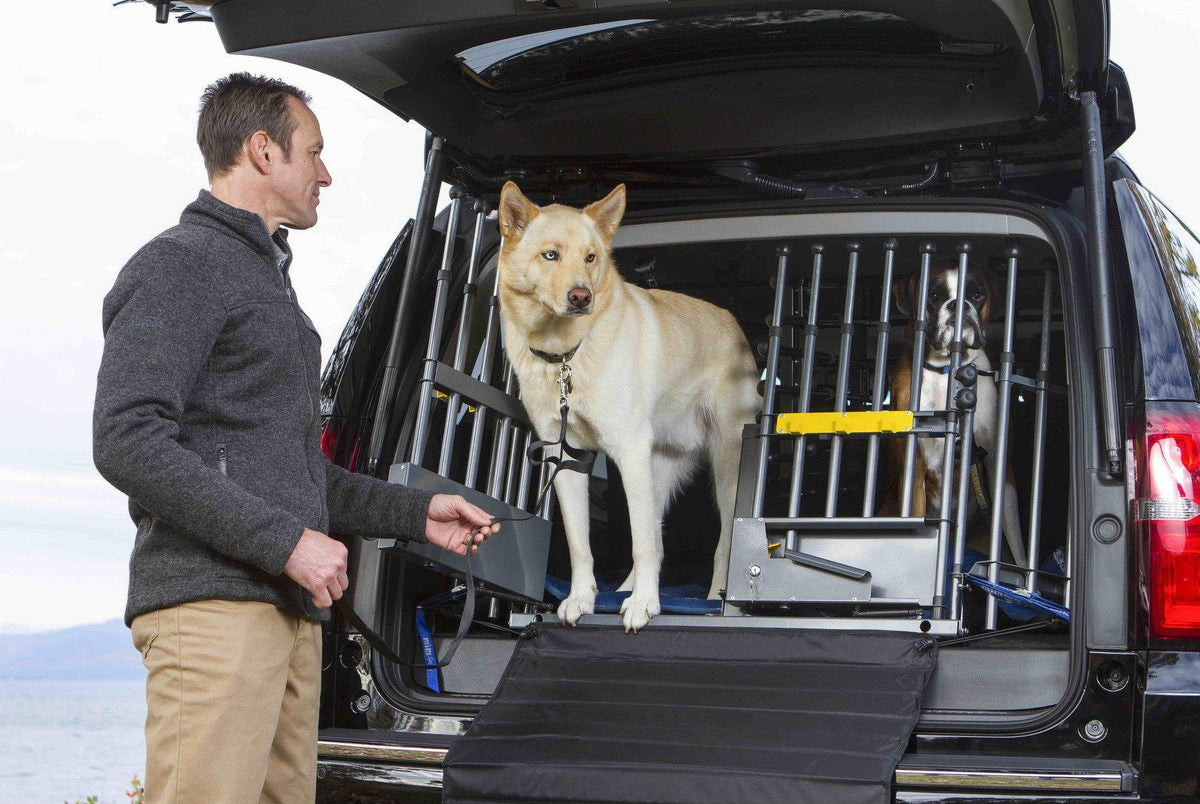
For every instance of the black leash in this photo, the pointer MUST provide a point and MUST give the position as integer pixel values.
(581, 460)
(380, 644)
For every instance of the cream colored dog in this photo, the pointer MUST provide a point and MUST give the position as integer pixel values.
(661, 380)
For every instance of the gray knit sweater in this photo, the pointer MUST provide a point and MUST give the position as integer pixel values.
(208, 416)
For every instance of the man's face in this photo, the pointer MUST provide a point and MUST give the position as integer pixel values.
(297, 181)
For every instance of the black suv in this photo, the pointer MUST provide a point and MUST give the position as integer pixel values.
(869, 137)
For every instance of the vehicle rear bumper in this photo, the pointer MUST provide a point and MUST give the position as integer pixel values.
(387, 770)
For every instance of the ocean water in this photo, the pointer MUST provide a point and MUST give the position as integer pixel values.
(62, 741)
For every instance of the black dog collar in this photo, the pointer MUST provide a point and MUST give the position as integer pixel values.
(556, 358)
(939, 369)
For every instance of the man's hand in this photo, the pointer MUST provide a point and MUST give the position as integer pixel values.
(318, 563)
(452, 523)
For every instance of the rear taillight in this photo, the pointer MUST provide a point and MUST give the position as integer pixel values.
(328, 440)
(1166, 509)
(331, 436)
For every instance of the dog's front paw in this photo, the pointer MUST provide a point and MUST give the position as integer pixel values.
(575, 606)
(638, 609)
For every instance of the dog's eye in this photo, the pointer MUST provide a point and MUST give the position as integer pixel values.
(590, 258)
(550, 254)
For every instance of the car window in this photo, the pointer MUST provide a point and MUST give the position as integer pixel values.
(1178, 253)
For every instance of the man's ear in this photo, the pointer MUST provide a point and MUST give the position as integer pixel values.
(258, 151)
(516, 212)
(904, 291)
(608, 211)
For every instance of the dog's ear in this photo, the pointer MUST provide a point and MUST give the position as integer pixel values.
(608, 211)
(904, 291)
(516, 212)
(988, 278)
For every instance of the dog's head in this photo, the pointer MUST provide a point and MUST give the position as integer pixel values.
(556, 255)
(941, 301)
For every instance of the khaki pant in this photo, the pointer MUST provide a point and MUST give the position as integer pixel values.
(232, 697)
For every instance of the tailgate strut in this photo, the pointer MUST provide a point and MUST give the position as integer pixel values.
(1094, 186)
(398, 346)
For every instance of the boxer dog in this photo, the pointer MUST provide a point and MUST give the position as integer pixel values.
(943, 296)
(660, 382)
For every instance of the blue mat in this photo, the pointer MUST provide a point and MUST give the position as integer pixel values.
(686, 599)
(692, 598)
(1018, 604)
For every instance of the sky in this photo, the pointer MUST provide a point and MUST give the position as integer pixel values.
(97, 155)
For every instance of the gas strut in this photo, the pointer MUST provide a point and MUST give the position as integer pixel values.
(1094, 186)
(398, 346)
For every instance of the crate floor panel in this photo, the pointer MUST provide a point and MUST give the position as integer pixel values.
(679, 715)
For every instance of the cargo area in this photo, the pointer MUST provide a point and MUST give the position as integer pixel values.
(816, 545)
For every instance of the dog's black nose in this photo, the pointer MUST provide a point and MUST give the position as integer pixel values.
(580, 298)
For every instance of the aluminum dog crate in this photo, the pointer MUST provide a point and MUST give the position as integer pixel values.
(811, 547)
(821, 552)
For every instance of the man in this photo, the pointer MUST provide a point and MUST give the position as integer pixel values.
(207, 415)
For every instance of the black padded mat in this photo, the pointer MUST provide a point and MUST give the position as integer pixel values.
(693, 714)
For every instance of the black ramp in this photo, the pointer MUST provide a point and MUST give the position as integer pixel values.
(694, 714)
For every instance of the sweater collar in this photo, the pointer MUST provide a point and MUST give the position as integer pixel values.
(249, 227)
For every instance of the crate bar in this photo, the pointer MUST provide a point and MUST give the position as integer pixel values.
(398, 345)
(881, 348)
(547, 508)
(441, 297)
(514, 456)
(960, 522)
(543, 469)
(526, 466)
(1003, 414)
(953, 427)
(501, 424)
(790, 352)
(805, 398)
(772, 372)
(918, 361)
(1039, 437)
(488, 351)
(881, 525)
(1094, 191)
(471, 389)
(843, 376)
(915, 625)
(499, 468)
(464, 333)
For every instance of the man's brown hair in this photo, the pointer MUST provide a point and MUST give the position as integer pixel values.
(234, 107)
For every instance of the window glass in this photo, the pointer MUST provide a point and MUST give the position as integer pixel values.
(1178, 254)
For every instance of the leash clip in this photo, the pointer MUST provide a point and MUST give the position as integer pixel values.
(564, 383)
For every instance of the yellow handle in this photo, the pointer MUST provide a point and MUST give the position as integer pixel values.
(859, 421)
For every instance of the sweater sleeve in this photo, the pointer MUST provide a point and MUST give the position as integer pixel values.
(161, 320)
(362, 505)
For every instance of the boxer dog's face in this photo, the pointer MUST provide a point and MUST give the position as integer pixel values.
(944, 288)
